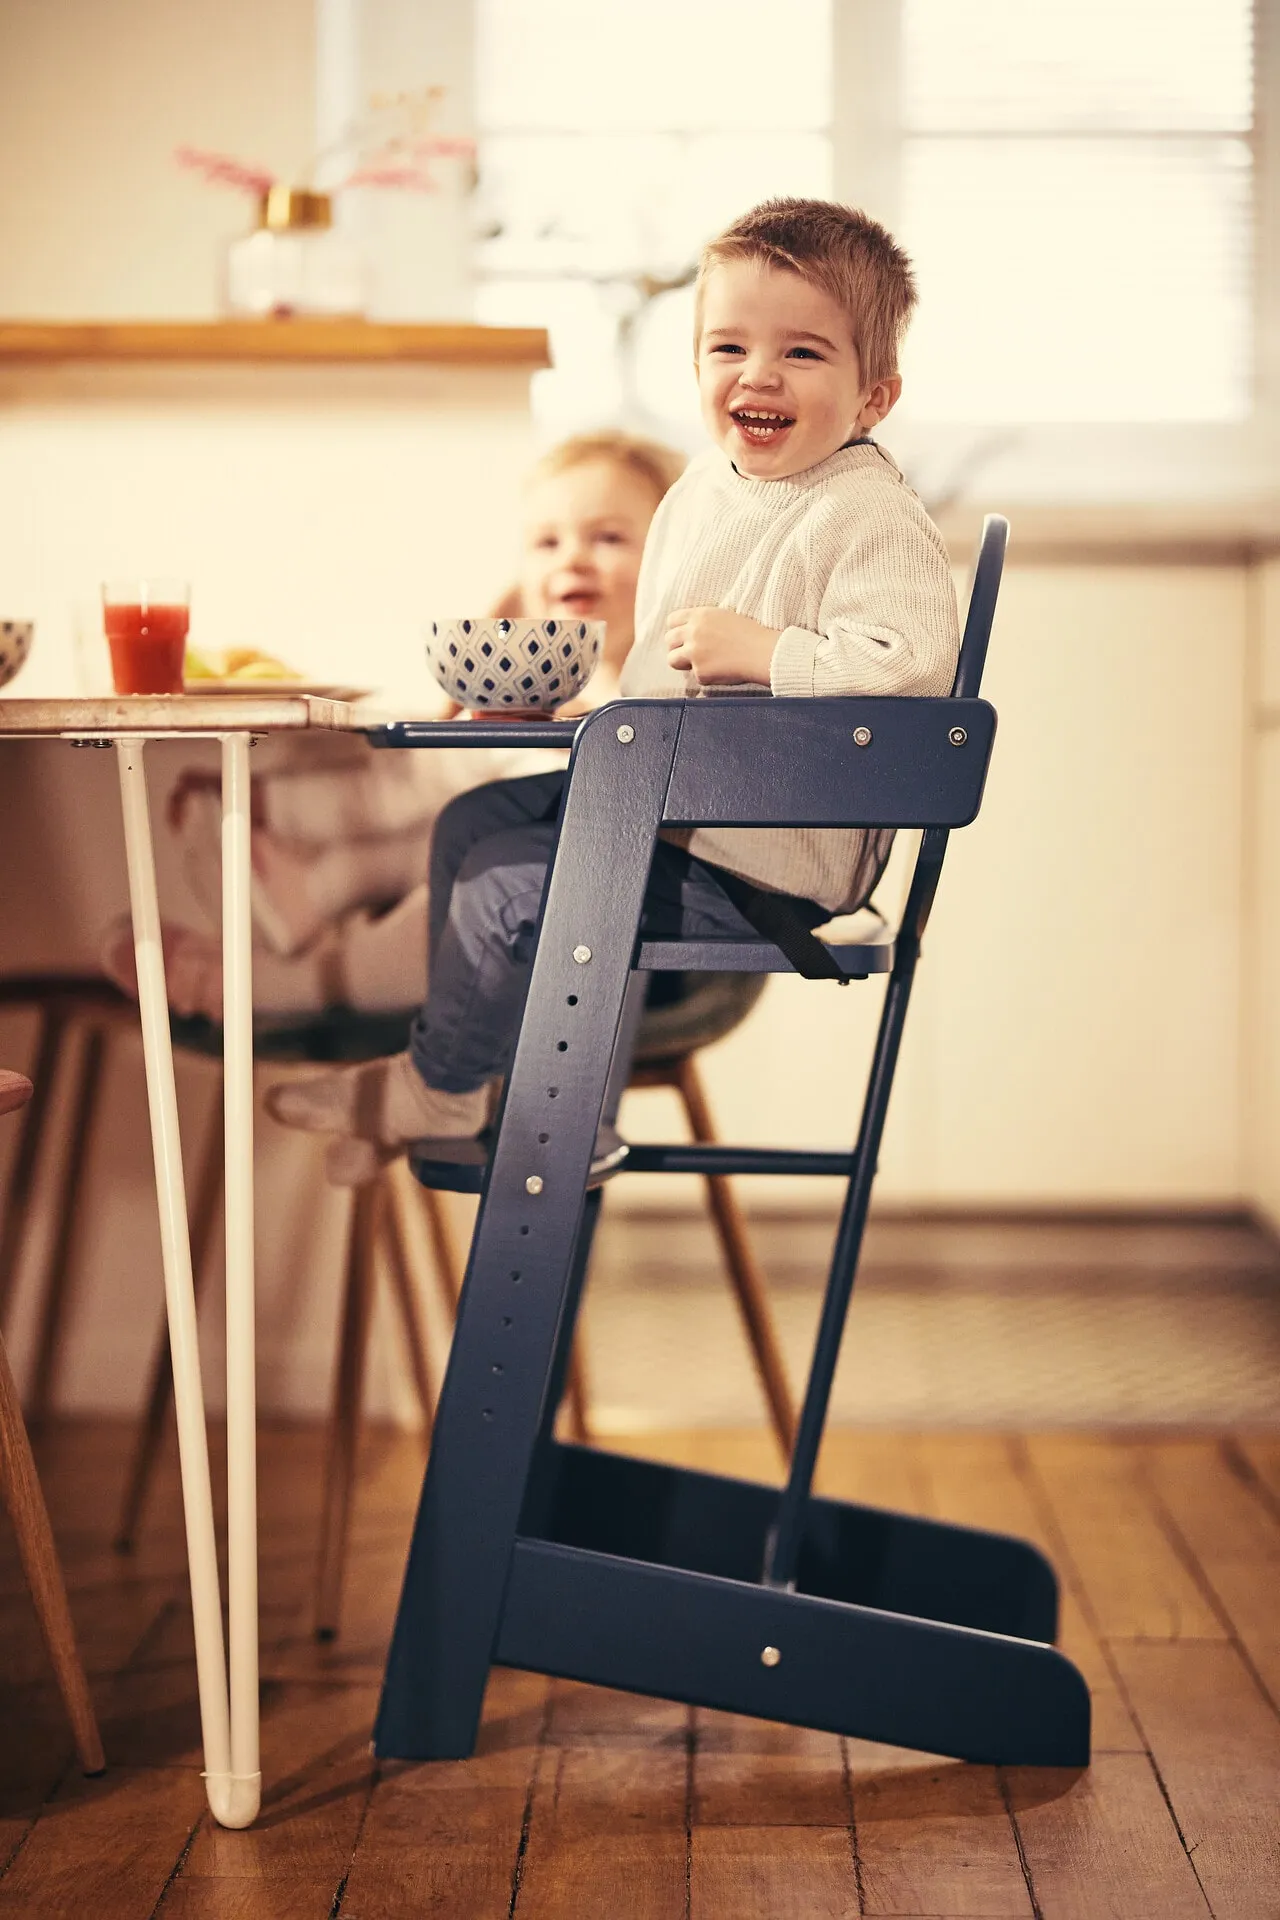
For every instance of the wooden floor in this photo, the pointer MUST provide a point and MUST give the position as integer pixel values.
(582, 1804)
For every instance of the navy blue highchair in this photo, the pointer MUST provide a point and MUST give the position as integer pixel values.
(633, 1574)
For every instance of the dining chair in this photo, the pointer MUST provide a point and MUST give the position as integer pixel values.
(20, 1486)
(77, 1021)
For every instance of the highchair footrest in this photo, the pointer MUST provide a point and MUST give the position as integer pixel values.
(790, 1656)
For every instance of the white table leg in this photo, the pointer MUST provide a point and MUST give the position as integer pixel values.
(233, 1802)
(242, 1492)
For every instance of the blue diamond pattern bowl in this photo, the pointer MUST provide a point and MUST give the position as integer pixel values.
(516, 665)
(15, 644)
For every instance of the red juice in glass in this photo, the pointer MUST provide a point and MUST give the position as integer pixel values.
(146, 625)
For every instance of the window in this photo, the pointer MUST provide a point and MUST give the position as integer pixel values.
(1076, 190)
(613, 142)
(1075, 180)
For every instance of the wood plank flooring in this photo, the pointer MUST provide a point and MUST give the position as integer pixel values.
(587, 1805)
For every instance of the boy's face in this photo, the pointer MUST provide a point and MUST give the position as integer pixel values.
(583, 537)
(778, 372)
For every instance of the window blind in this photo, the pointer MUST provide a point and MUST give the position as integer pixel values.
(1077, 196)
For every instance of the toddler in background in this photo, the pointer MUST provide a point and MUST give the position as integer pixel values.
(341, 832)
(790, 557)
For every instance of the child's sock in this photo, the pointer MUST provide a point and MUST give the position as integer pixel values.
(384, 1102)
(350, 1162)
(377, 1108)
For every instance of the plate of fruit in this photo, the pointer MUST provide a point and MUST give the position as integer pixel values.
(248, 670)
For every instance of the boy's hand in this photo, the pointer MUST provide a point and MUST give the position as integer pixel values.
(720, 646)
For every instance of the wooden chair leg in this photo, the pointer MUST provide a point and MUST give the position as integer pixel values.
(745, 1275)
(578, 1396)
(444, 1248)
(17, 1212)
(50, 1339)
(344, 1416)
(27, 1510)
(146, 1452)
(406, 1293)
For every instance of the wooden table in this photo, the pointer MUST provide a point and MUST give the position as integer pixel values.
(228, 1691)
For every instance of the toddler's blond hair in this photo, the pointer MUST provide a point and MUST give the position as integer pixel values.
(658, 466)
(843, 251)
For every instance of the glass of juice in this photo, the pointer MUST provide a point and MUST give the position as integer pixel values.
(146, 623)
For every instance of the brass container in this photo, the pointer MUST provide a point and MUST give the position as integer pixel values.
(294, 209)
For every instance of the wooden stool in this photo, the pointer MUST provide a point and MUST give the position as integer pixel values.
(76, 1016)
(22, 1496)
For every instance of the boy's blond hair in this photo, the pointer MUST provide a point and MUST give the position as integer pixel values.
(648, 460)
(843, 251)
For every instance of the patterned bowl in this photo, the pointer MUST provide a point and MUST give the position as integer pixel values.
(513, 666)
(15, 644)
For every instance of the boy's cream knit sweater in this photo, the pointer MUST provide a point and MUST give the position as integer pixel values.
(845, 561)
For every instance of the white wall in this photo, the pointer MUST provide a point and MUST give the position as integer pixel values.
(96, 219)
(1261, 1007)
(325, 511)
(1075, 1034)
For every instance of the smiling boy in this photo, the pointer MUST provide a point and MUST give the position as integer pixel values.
(791, 556)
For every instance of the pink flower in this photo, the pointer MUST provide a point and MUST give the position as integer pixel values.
(220, 169)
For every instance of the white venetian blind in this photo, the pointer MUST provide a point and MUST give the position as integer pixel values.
(1077, 196)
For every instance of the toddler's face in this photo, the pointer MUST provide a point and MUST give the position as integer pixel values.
(583, 537)
(778, 372)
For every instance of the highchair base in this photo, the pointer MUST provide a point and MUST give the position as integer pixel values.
(648, 1577)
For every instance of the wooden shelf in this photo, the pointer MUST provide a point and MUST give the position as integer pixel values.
(299, 341)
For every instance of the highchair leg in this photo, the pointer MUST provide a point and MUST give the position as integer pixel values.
(519, 1277)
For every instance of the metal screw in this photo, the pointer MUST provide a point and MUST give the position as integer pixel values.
(534, 1183)
(626, 735)
(770, 1657)
(957, 736)
(862, 736)
(582, 955)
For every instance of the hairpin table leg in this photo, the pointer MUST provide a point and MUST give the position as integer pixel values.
(242, 1486)
(233, 1796)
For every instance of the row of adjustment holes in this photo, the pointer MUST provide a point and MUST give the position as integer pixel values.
(562, 1046)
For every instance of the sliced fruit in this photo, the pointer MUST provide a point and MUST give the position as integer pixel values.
(263, 668)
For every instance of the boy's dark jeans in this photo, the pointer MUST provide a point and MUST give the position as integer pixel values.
(489, 859)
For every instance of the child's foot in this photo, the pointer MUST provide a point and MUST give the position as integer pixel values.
(379, 1107)
(192, 967)
(384, 1102)
(376, 1109)
(350, 1162)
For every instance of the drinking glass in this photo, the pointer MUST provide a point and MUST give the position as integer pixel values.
(146, 624)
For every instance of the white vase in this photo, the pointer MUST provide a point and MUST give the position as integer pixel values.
(295, 261)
